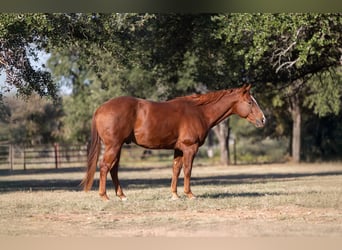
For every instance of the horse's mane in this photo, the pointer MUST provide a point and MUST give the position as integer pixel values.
(203, 99)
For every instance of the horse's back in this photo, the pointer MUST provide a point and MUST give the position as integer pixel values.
(117, 104)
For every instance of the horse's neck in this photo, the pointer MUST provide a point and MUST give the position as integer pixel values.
(215, 112)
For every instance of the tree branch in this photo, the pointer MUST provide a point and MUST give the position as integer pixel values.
(288, 64)
(281, 52)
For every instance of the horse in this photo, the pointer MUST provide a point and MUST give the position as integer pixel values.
(180, 124)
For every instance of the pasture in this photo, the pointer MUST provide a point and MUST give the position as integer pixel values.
(236, 201)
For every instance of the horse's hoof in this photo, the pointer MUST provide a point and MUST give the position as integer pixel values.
(191, 196)
(174, 197)
(123, 198)
(104, 197)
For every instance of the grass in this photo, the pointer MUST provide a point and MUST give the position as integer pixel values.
(253, 200)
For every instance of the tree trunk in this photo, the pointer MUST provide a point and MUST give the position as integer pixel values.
(296, 127)
(222, 132)
(210, 140)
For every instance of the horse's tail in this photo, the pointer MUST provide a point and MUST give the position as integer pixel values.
(93, 156)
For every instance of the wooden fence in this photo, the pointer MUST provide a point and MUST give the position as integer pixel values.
(59, 155)
(51, 156)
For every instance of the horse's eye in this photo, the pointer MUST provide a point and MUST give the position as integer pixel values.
(250, 102)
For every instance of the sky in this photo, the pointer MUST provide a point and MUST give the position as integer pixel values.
(42, 59)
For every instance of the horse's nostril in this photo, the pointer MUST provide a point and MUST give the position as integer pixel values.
(263, 120)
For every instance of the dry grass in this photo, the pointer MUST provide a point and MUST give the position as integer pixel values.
(255, 200)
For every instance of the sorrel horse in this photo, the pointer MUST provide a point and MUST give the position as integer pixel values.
(181, 124)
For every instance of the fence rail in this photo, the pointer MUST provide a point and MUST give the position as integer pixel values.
(55, 155)
(59, 155)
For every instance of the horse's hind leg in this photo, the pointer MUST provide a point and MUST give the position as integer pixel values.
(111, 157)
(177, 166)
(116, 182)
(104, 168)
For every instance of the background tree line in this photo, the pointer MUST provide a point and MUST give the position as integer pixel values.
(292, 60)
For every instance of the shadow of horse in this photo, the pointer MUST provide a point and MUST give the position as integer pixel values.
(48, 183)
(240, 195)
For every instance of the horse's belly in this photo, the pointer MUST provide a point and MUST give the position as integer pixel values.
(156, 125)
(155, 140)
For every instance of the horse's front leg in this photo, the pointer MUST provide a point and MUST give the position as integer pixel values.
(177, 166)
(188, 158)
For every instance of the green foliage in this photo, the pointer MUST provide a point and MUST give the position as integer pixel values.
(252, 146)
(33, 121)
(322, 137)
(290, 51)
(4, 110)
(285, 46)
(188, 72)
(325, 93)
(20, 38)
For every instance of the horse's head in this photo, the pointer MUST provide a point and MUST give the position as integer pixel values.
(248, 108)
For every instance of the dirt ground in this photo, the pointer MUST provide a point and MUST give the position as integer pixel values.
(242, 201)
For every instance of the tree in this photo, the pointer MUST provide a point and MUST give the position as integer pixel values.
(20, 39)
(286, 50)
(322, 128)
(32, 124)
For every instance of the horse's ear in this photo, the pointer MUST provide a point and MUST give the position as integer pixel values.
(246, 87)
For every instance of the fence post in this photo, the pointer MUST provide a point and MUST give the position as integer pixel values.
(24, 157)
(56, 146)
(234, 150)
(11, 156)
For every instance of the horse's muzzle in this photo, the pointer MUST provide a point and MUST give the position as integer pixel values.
(259, 123)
